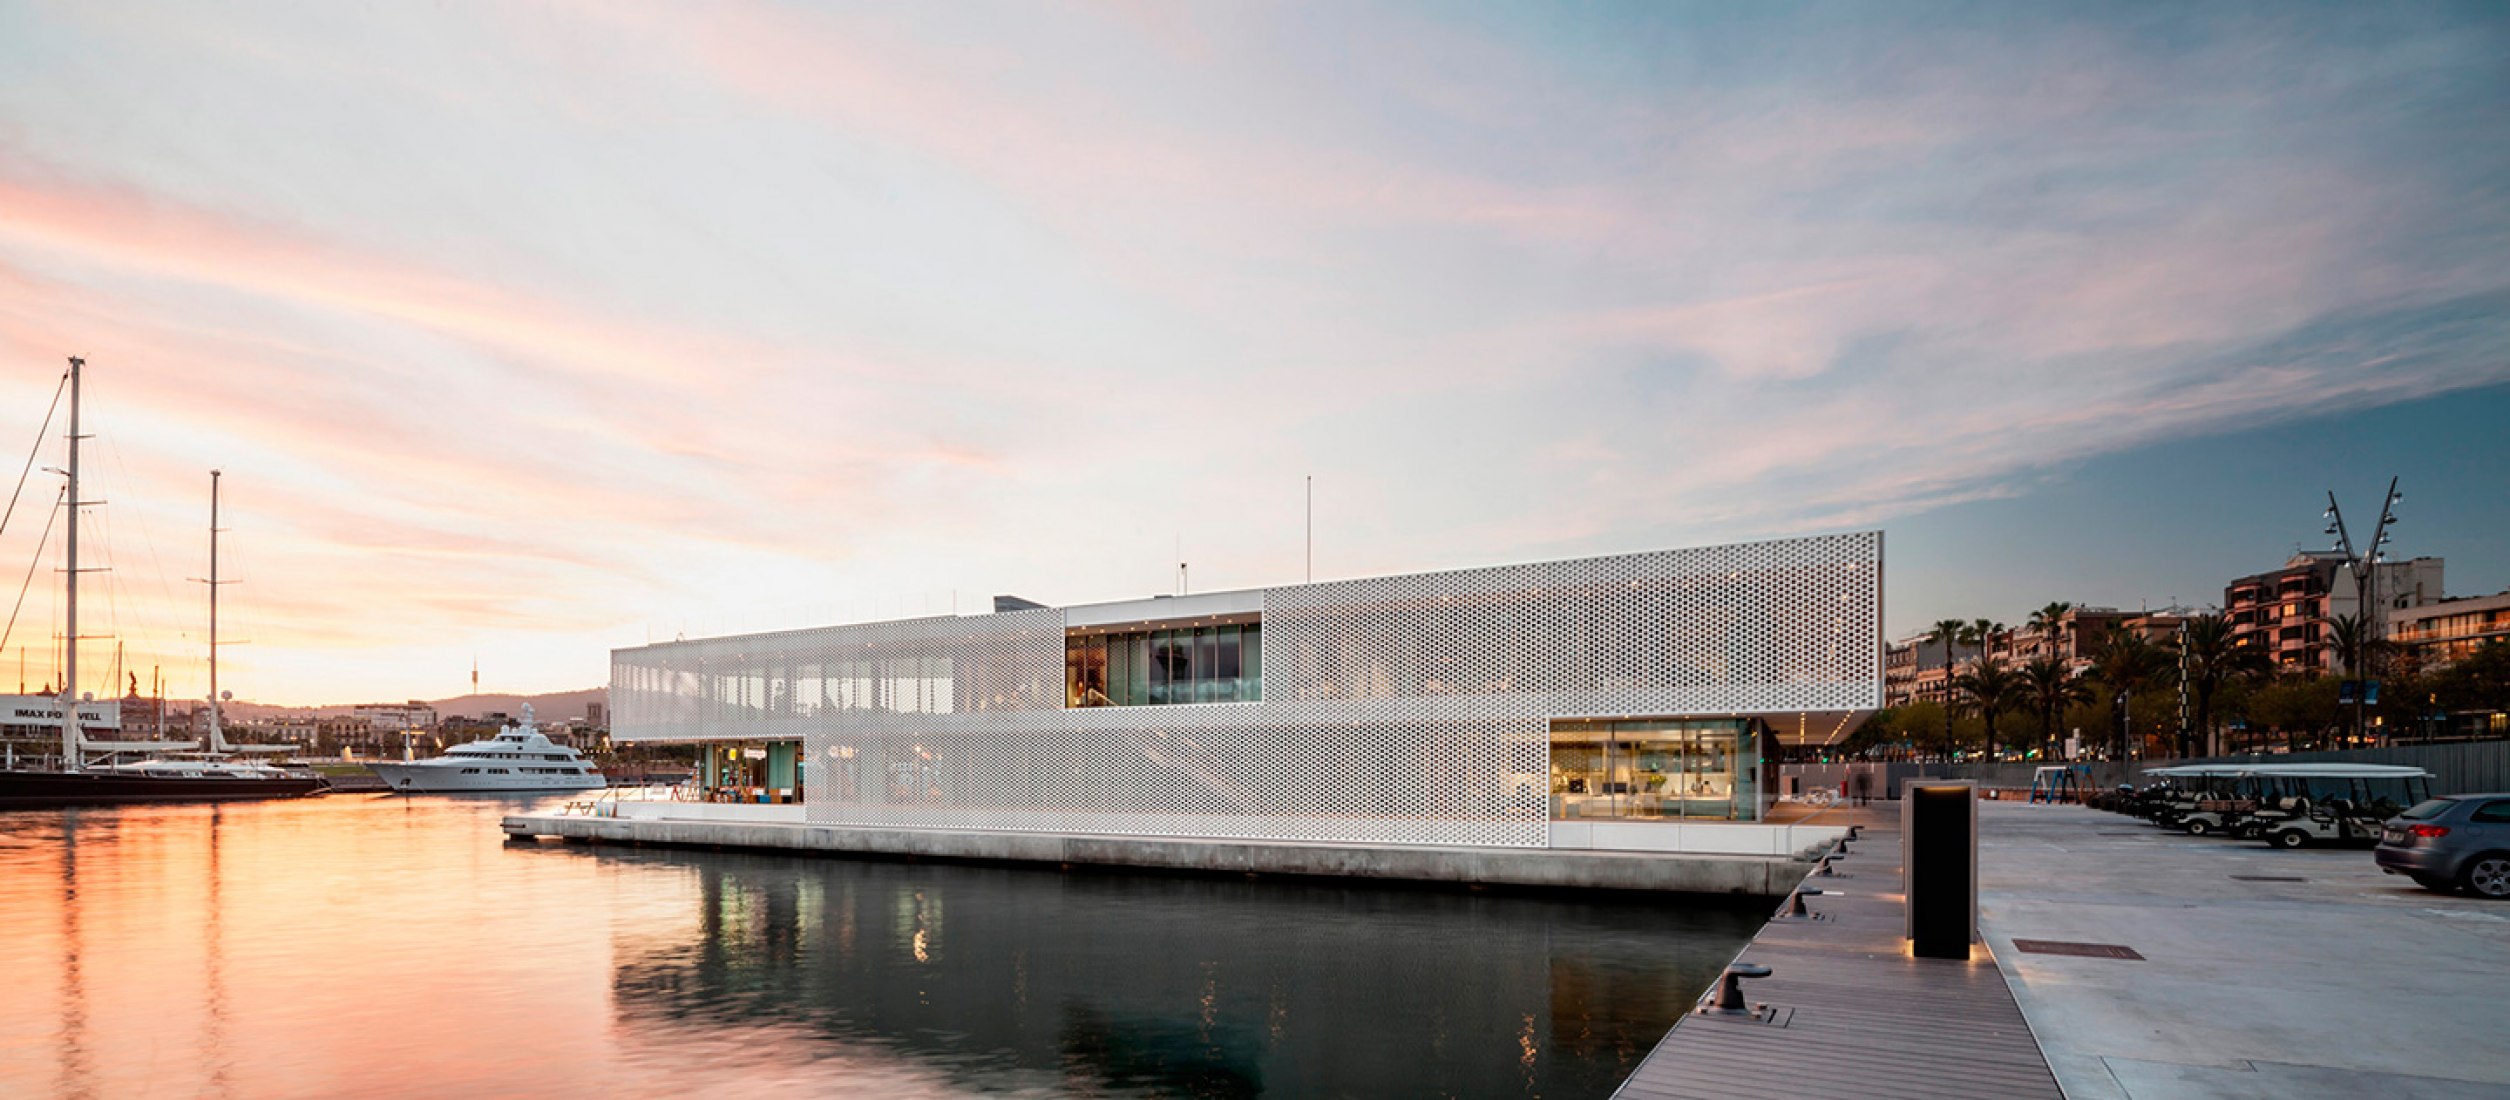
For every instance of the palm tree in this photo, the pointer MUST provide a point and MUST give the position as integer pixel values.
(2047, 621)
(2214, 657)
(2128, 663)
(1947, 633)
(1990, 689)
(2052, 687)
(1983, 634)
(2356, 649)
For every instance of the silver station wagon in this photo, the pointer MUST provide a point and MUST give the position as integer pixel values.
(2461, 842)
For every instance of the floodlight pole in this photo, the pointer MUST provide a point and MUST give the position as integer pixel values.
(2365, 567)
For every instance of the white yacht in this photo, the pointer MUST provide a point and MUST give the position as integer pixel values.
(518, 758)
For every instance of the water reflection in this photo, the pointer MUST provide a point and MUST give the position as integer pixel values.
(395, 947)
(1105, 984)
(77, 1076)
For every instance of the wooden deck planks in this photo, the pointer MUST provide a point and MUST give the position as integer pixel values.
(1864, 1018)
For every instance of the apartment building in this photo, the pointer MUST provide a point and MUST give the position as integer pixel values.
(2287, 612)
(2442, 631)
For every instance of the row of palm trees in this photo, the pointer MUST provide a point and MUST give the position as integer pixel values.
(2127, 663)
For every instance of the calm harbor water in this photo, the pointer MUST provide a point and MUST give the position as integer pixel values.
(382, 946)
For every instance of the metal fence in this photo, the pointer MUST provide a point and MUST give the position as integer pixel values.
(2456, 767)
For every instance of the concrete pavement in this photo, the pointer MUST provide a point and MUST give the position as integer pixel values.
(2347, 983)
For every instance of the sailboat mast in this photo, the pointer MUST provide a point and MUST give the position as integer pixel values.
(71, 758)
(217, 740)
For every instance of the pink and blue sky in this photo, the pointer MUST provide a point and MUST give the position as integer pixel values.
(527, 330)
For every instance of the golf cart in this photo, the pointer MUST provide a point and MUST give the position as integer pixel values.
(2333, 803)
(2134, 801)
(2208, 798)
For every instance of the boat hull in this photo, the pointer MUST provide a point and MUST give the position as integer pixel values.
(38, 790)
(426, 779)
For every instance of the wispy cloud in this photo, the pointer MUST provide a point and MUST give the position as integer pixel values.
(522, 328)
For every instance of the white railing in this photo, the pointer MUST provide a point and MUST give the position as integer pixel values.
(606, 804)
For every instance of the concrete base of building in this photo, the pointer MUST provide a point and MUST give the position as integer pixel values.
(1739, 876)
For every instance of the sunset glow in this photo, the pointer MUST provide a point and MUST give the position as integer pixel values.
(523, 332)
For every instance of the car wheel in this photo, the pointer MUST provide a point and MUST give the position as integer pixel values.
(2197, 828)
(2488, 875)
(2291, 838)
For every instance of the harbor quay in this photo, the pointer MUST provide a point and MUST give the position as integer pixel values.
(2254, 971)
(2115, 961)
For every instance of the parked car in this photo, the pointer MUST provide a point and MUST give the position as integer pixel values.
(2461, 842)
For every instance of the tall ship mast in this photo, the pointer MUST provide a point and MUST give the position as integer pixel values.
(218, 742)
(111, 772)
(73, 755)
(217, 734)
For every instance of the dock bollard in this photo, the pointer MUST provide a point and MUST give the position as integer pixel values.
(1825, 871)
(1856, 832)
(1795, 901)
(1730, 991)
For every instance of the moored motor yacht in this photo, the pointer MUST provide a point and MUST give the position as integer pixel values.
(518, 758)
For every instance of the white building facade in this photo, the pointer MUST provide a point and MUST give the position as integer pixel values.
(1507, 706)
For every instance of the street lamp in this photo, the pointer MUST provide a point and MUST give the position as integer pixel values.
(2365, 567)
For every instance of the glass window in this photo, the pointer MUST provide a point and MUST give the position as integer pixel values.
(1207, 665)
(1162, 666)
(1085, 672)
(1699, 769)
(1224, 665)
(1251, 662)
(2492, 813)
(1210, 664)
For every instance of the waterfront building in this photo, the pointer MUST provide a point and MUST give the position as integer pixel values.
(395, 718)
(2437, 633)
(2077, 637)
(1916, 669)
(2286, 612)
(1555, 704)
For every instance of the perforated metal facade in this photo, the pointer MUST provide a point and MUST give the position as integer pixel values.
(1397, 710)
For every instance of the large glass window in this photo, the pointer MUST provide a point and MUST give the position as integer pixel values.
(1700, 769)
(1203, 664)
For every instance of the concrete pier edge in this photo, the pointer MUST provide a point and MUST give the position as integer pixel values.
(1703, 875)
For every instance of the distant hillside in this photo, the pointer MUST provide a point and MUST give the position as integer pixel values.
(556, 706)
